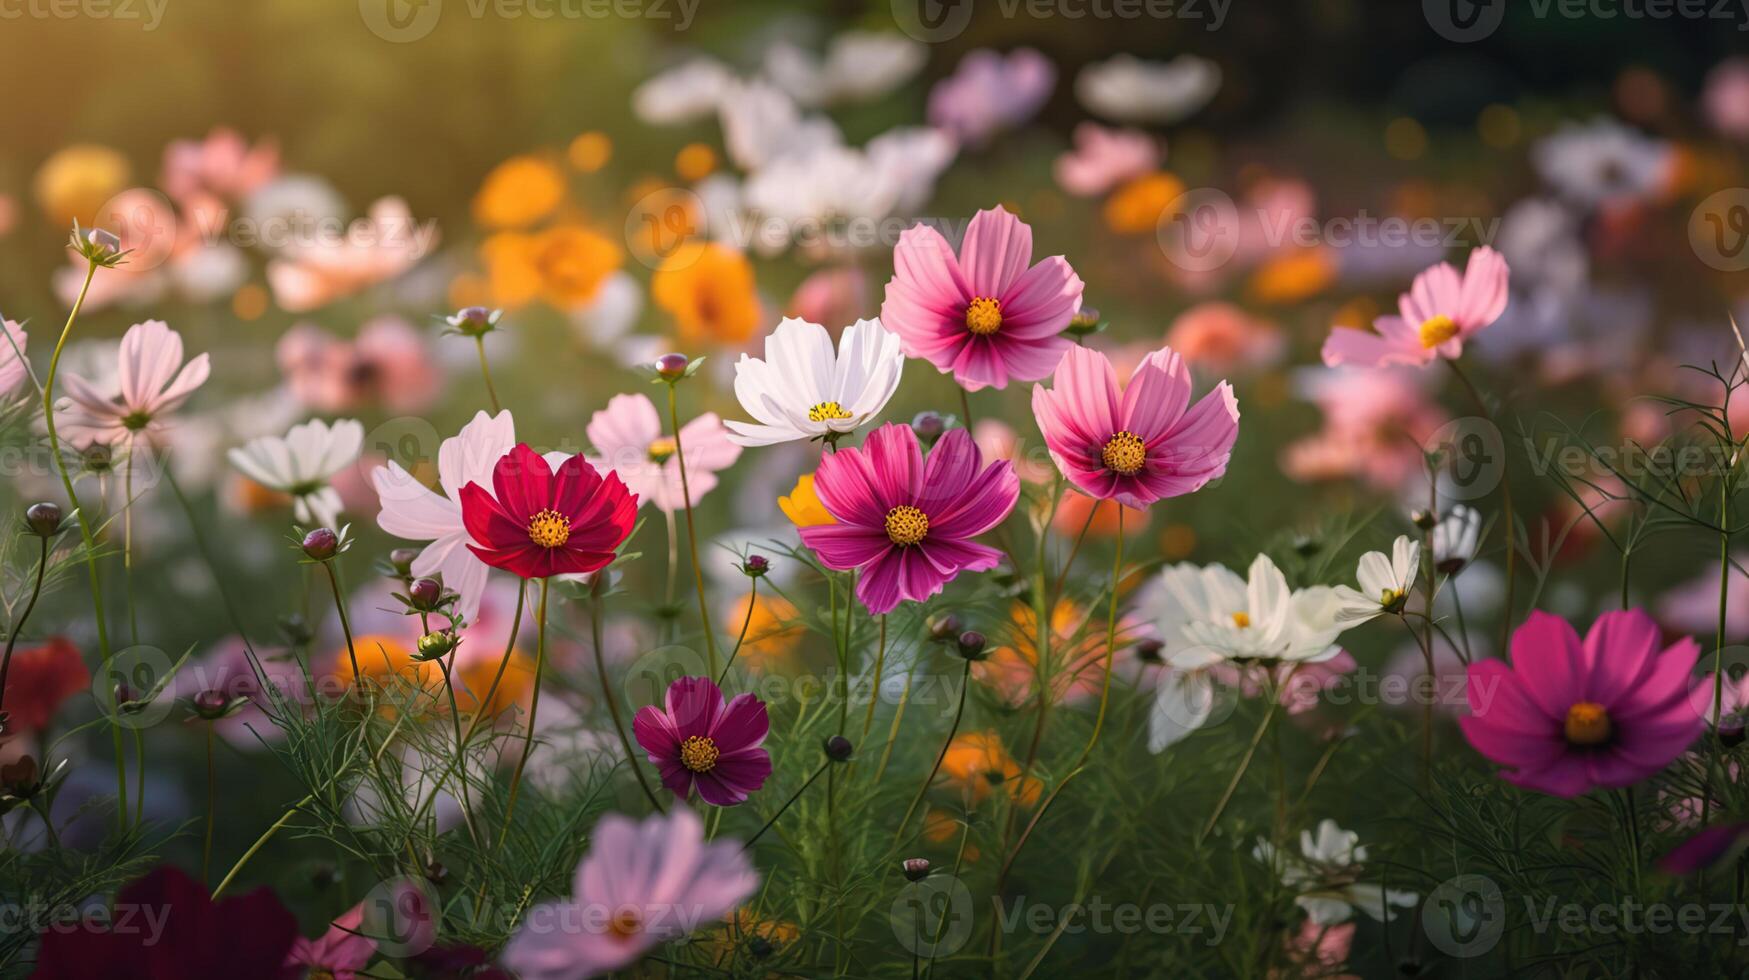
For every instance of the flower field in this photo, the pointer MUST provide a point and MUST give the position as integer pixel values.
(549, 490)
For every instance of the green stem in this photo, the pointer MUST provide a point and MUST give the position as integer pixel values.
(42, 564)
(780, 810)
(952, 730)
(212, 797)
(486, 372)
(879, 669)
(704, 615)
(345, 623)
(619, 724)
(1239, 774)
(752, 600)
(540, 657)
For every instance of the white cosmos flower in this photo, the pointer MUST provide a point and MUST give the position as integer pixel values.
(1208, 616)
(1384, 583)
(1604, 162)
(761, 124)
(1326, 873)
(1456, 537)
(301, 463)
(1128, 89)
(684, 94)
(858, 66)
(413, 511)
(803, 389)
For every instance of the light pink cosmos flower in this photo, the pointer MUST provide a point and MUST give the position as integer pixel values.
(227, 668)
(413, 511)
(13, 367)
(153, 382)
(338, 953)
(1438, 313)
(389, 363)
(989, 315)
(313, 273)
(628, 438)
(1141, 443)
(641, 885)
(1104, 158)
(1569, 716)
(989, 92)
(908, 525)
(223, 165)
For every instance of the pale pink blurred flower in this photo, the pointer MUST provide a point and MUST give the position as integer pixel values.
(1726, 98)
(989, 92)
(1692, 607)
(1297, 685)
(1317, 951)
(629, 439)
(13, 353)
(839, 294)
(313, 273)
(1223, 338)
(1406, 671)
(152, 383)
(1265, 222)
(223, 165)
(389, 363)
(1104, 158)
(1375, 423)
(337, 954)
(226, 668)
(997, 439)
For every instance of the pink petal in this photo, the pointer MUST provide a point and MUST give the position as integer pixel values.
(1157, 395)
(996, 251)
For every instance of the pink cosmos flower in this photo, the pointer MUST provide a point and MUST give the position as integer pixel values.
(641, 885)
(389, 363)
(1570, 716)
(153, 382)
(699, 740)
(1692, 606)
(839, 294)
(908, 525)
(989, 92)
(1222, 337)
(1441, 311)
(13, 367)
(628, 439)
(340, 952)
(223, 165)
(312, 274)
(988, 315)
(1726, 98)
(1375, 423)
(1104, 158)
(1139, 444)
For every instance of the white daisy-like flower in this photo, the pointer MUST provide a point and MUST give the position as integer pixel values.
(683, 94)
(1384, 583)
(1604, 162)
(1455, 538)
(1327, 875)
(301, 462)
(803, 389)
(1128, 89)
(858, 66)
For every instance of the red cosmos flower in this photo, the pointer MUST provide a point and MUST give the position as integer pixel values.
(539, 522)
(39, 679)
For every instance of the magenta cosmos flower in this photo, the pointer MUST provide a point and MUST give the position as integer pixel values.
(1570, 716)
(641, 885)
(989, 315)
(698, 740)
(539, 522)
(908, 525)
(1438, 313)
(1141, 443)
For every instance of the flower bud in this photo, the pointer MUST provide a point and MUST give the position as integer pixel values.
(44, 519)
(401, 559)
(1426, 520)
(971, 645)
(1085, 321)
(321, 544)
(929, 426)
(437, 643)
(211, 705)
(103, 240)
(945, 629)
(425, 593)
(1148, 651)
(916, 869)
(671, 367)
(756, 566)
(838, 748)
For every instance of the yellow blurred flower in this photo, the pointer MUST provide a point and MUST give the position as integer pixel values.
(1294, 278)
(694, 162)
(708, 289)
(1136, 207)
(519, 192)
(564, 266)
(771, 629)
(76, 181)
(977, 763)
(590, 151)
(803, 506)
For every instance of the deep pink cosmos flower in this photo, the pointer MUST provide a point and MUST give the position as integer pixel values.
(908, 525)
(1141, 443)
(539, 522)
(989, 315)
(642, 884)
(1568, 717)
(339, 953)
(698, 740)
(1438, 313)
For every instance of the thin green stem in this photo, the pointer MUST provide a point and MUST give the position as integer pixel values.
(780, 810)
(952, 730)
(704, 615)
(752, 601)
(540, 659)
(42, 564)
(875, 688)
(486, 372)
(1239, 774)
(619, 724)
(345, 621)
(212, 797)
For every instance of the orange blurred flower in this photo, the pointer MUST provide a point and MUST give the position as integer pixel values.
(1137, 207)
(945, 827)
(1075, 507)
(708, 289)
(389, 661)
(1075, 664)
(564, 265)
(40, 679)
(771, 632)
(977, 763)
(590, 151)
(519, 192)
(1294, 277)
(1223, 338)
(803, 506)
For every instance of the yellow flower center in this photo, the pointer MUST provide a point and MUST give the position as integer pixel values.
(626, 923)
(549, 529)
(1437, 331)
(1588, 724)
(1391, 599)
(662, 448)
(698, 753)
(320, 974)
(1242, 619)
(827, 412)
(984, 316)
(1124, 453)
(906, 525)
